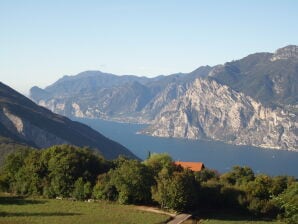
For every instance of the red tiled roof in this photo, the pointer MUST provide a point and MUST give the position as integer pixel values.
(194, 166)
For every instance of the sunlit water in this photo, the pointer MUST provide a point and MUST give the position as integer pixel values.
(215, 155)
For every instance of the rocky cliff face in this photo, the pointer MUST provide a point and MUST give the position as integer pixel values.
(287, 52)
(214, 111)
(28, 132)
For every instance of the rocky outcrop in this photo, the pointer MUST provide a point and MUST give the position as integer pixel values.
(27, 131)
(213, 111)
(284, 53)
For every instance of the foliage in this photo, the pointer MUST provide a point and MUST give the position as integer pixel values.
(132, 180)
(288, 201)
(238, 176)
(104, 189)
(206, 175)
(175, 190)
(68, 171)
(8, 146)
(156, 162)
(51, 172)
(240, 190)
(81, 190)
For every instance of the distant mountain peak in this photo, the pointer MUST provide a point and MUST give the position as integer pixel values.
(290, 51)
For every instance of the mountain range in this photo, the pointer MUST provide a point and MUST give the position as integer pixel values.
(251, 101)
(24, 123)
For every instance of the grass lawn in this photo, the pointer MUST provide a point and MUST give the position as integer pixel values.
(228, 218)
(17, 210)
(216, 221)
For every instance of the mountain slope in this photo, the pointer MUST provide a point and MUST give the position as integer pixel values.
(95, 94)
(269, 78)
(25, 122)
(214, 111)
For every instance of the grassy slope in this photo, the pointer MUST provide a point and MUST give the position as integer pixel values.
(18, 210)
(229, 218)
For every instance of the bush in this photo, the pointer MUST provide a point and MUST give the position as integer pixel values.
(288, 201)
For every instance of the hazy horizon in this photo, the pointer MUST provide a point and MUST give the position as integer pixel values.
(43, 41)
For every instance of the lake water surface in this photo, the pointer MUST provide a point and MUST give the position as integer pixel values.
(215, 155)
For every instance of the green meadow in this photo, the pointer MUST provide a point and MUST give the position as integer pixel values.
(228, 217)
(18, 210)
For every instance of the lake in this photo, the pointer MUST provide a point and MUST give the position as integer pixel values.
(215, 155)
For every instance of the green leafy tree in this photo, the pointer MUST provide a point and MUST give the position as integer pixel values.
(288, 201)
(177, 190)
(65, 164)
(104, 189)
(280, 183)
(259, 196)
(82, 190)
(53, 171)
(12, 170)
(78, 191)
(206, 175)
(156, 162)
(238, 176)
(87, 190)
(160, 190)
(24, 172)
(132, 181)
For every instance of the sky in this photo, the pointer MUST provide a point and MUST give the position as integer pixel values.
(41, 41)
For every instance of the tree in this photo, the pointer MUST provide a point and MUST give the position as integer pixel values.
(132, 181)
(156, 162)
(12, 170)
(104, 189)
(51, 172)
(65, 164)
(288, 201)
(206, 174)
(259, 196)
(238, 176)
(81, 190)
(177, 191)
(280, 183)
(78, 191)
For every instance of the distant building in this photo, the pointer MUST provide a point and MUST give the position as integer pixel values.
(194, 166)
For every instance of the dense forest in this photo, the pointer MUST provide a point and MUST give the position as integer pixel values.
(79, 173)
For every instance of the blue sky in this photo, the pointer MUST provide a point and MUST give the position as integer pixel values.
(40, 41)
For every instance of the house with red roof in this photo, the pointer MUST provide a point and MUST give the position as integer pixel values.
(194, 166)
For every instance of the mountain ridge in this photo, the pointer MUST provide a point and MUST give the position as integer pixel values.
(271, 83)
(232, 117)
(24, 121)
